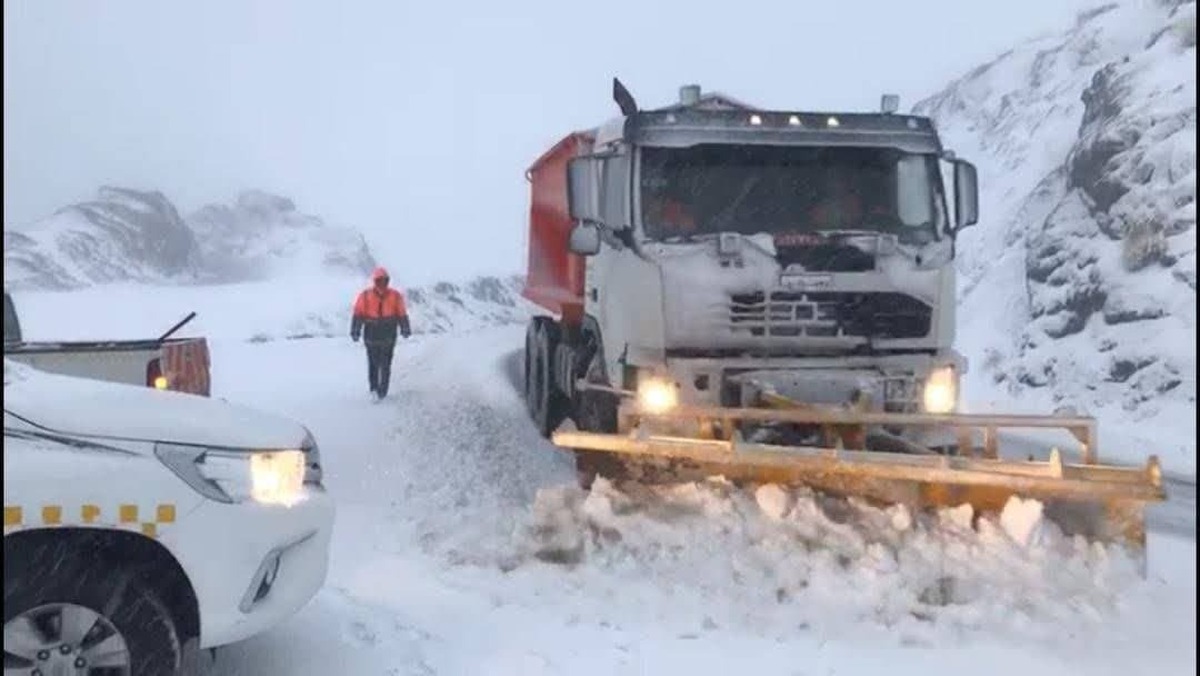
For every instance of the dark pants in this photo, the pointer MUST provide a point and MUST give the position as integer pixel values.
(379, 366)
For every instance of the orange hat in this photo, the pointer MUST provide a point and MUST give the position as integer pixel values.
(380, 273)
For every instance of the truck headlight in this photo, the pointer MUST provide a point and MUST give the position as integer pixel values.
(231, 476)
(941, 390)
(656, 395)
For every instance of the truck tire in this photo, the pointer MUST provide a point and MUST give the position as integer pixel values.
(550, 407)
(530, 352)
(62, 610)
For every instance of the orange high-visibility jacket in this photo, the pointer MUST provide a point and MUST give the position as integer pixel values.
(378, 314)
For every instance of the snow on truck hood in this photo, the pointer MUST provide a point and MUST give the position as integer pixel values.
(94, 408)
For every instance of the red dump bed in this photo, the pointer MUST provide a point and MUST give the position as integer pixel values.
(555, 275)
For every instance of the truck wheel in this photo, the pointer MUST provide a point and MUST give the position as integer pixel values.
(550, 407)
(530, 355)
(74, 616)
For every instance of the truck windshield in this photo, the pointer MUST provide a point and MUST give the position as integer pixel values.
(707, 189)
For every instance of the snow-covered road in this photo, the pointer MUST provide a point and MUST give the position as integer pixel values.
(435, 568)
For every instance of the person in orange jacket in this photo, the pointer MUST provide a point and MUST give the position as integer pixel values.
(379, 313)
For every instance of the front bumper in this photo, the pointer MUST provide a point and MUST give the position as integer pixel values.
(252, 565)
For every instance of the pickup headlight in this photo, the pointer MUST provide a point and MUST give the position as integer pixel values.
(941, 390)
(231, 476)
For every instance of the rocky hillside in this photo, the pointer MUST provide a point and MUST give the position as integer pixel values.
(127, 235)
(1080, 281)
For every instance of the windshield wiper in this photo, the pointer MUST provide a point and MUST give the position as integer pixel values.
(727, 213)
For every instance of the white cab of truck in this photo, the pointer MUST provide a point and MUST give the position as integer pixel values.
(141, 526)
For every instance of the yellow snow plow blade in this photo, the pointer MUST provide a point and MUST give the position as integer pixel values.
(1102, 502)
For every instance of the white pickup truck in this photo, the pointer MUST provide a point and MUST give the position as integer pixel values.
(142, 526)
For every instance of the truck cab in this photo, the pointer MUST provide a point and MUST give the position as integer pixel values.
(731, 253)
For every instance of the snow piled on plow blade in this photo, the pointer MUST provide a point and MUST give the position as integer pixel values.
(799, 558)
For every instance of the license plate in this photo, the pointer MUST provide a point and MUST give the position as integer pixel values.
(805, 282)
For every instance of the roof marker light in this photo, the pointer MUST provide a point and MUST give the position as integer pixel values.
(755, 120)
(832, 122)
(794, 120)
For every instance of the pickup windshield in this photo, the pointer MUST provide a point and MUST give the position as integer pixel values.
(707, 189)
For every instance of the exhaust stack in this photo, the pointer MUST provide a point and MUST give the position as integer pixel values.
(689, 95)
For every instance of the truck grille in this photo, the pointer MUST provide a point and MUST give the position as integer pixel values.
(830, 314)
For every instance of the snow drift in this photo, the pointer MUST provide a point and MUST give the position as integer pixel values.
(1079, 285)
(127, 235)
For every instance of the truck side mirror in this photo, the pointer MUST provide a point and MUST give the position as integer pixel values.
(584, 239)
(966, 195)
(583, 189)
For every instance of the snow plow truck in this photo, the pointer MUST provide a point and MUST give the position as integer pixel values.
(769, 296)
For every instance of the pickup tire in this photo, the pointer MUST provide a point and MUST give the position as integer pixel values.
(47, 589)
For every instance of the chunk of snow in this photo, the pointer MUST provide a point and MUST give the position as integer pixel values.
(1022, 520)
(772, 500)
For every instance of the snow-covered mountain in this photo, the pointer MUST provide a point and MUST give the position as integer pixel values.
(127, 235)
(256, 269)
(1079, 285)
(122, 235)
(263, 236)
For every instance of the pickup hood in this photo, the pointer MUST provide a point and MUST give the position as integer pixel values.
(93, 408)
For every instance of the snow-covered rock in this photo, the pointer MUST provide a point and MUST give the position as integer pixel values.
(1079, 283)
(263, 236)
(127, 235)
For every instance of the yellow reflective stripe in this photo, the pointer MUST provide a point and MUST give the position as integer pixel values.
(91, 514)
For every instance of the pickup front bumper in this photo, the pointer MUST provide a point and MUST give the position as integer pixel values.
(251, 565)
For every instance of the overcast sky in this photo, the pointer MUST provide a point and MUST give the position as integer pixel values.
(414, 121)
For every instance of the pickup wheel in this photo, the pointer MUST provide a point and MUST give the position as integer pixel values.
(65, 614)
